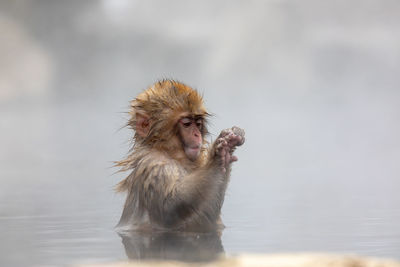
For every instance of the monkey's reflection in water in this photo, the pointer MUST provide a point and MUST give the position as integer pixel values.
(189, 247)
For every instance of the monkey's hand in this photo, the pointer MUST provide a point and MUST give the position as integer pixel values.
(226, 144)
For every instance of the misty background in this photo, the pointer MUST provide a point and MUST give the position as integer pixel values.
(315, 85)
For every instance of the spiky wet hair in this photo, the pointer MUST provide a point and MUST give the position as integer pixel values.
(164, 103)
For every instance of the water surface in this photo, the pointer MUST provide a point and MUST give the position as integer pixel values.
(315, 85)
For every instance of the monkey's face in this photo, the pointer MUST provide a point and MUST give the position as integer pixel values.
(190, 131)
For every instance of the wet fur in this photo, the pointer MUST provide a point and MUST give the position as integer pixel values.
(167, 191)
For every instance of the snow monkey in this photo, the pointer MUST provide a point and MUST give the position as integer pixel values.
(178, 179)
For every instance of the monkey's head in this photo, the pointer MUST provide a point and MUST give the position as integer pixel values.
(170, 116)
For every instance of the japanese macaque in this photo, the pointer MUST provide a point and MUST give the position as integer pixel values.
(178, 180)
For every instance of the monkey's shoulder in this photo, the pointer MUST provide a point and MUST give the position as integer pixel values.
(155, 166)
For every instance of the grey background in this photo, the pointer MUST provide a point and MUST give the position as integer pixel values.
(315, 84)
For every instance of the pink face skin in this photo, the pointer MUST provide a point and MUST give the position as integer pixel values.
(190, 132)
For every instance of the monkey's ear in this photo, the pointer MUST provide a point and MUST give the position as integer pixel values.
(142, 124)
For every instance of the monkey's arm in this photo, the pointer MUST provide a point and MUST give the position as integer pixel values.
(175, 198)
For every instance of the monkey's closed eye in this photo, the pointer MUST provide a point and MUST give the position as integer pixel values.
(186, 122)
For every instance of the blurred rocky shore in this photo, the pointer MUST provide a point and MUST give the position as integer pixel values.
(269, 260)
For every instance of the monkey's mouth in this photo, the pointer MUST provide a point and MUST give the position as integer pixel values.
(192, 152)
(194, 149)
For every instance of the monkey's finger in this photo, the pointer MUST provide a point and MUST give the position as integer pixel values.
(235, 140)
(222, 141)
(223, 157)
(223, 162)
(238, 131)
(220, 145)
(240, 141)
(227, 159)
(224, 133)
(219, 142)
(234, 158)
